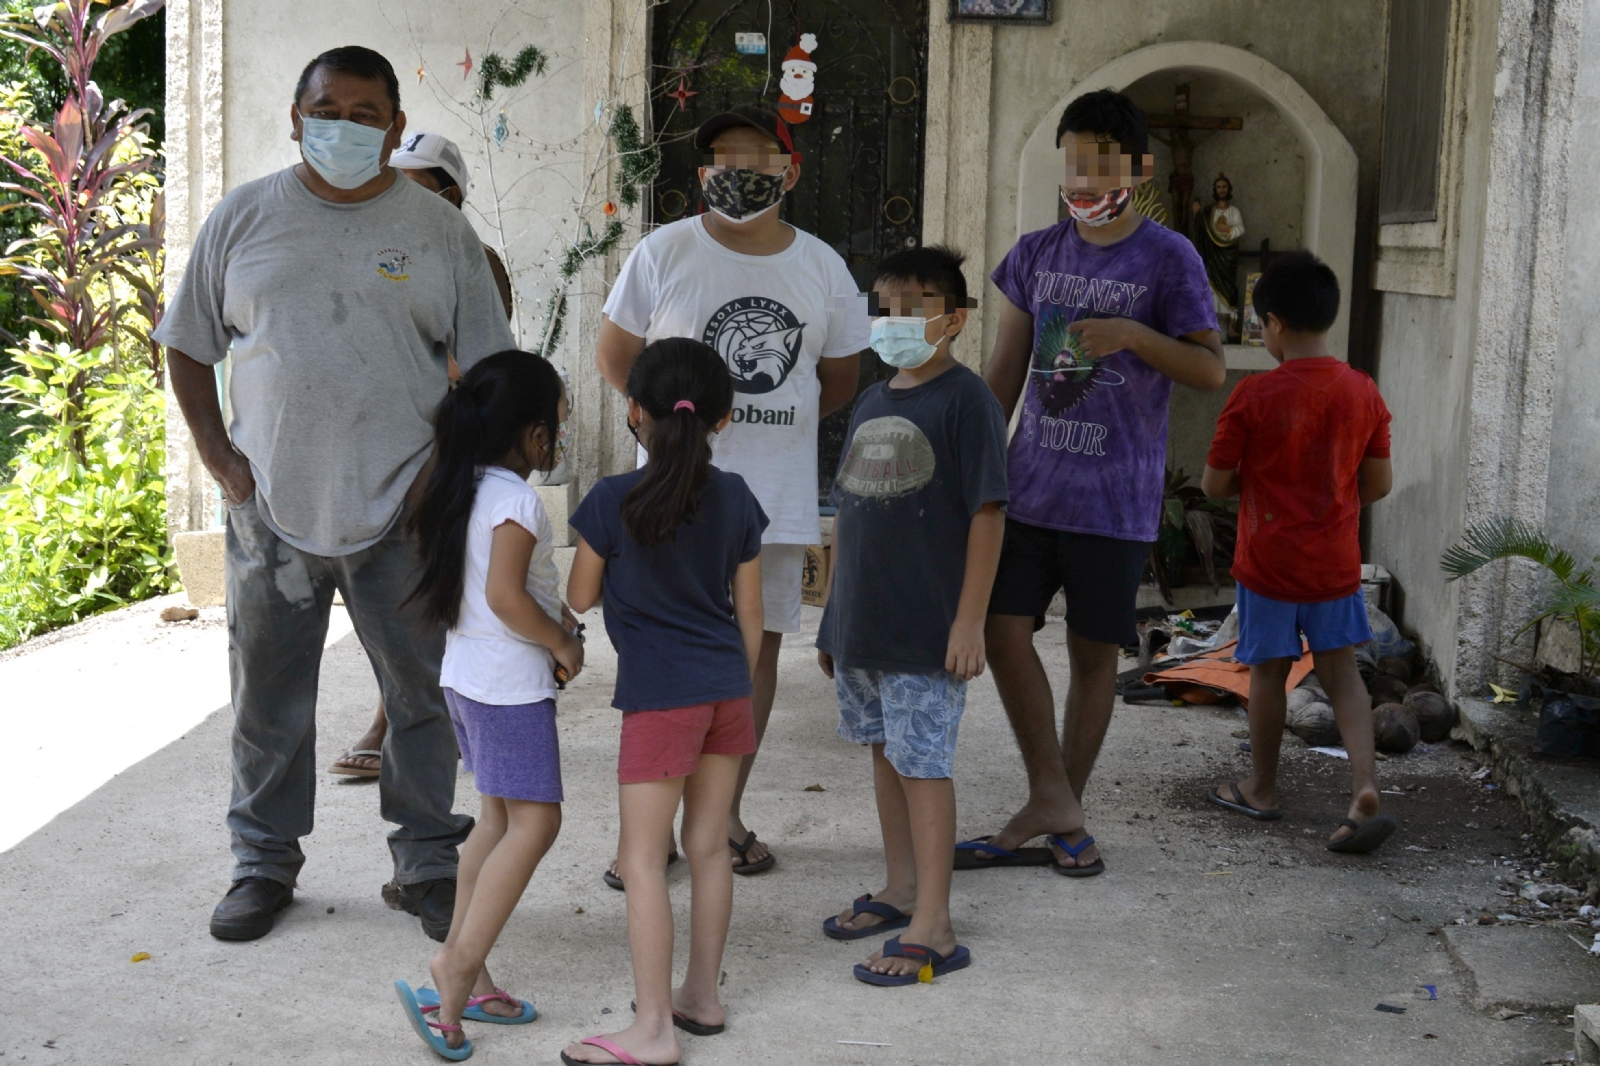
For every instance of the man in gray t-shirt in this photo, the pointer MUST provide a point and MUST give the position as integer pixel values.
(339, 289)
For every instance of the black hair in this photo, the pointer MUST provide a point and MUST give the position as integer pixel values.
(352, 59)
(667, 373)
(935, 266)
(1301, 290)
(479, 421)
(443, 178)
(1108, 113)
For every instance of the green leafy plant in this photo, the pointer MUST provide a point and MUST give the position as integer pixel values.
(1191, 519)
(1572, 597)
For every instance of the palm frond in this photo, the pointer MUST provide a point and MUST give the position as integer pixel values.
(1203, 531)
(1504, 537)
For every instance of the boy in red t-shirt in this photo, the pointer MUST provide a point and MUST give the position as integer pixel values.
(1304, 447)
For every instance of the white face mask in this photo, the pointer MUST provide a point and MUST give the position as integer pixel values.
(346, 154)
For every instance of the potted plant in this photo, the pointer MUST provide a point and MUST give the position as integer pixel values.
(1569, 712)
(1191, 520)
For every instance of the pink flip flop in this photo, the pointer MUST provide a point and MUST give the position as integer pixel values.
(620, 1054)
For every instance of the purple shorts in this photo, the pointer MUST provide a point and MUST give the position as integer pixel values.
(511, 750)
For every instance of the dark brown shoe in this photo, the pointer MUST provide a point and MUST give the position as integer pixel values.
(249, 909)
(432, 901)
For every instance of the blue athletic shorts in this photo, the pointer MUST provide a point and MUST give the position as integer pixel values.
(1271, 629)
(914, 716)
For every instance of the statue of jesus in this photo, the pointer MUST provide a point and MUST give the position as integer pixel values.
(1216, 236)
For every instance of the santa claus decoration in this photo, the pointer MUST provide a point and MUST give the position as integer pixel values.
(799, 81)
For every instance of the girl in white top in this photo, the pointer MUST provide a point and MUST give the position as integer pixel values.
(489, 575)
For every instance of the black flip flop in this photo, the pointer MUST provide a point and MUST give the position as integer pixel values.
(686, 1023)
(1074, 850)
(1367, 837)
(1239, 806)
(615, 880)
(967, 853)
(745, 867)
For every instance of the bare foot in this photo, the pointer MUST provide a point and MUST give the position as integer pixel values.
(848, 919)
(1363, 808)
(1261, 799)
(371, 740)
(639, 1040)
(454, 987)
(706, 1010)
(498, 1007)
(942, 940)
(738, 831)
(1038, 818)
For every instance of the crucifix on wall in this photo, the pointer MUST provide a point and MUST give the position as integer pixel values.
(1184, 132)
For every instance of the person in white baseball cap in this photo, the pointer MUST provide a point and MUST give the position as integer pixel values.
(435, 163)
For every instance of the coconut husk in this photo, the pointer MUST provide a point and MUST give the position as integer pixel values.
(1311, 719)
(1395, 728)
(1387, 689)
(1396, 667)
(1436, 716)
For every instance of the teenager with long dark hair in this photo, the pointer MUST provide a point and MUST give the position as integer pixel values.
(674, 549)
(489, 575)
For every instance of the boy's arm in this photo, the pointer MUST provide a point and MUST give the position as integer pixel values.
(965, 657)
(584, 583)
(1216, 482)
(1376, 478)
(506, 591)
(1194, 359)
(1007, 372)
(615, 352)
(825, 660)
(747, 609)
(839, 379)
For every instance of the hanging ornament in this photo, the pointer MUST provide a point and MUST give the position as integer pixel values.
(466, 65)
(608, 208)
(799, 81)
(500, 130)
(682, 93)
(599, 110)
(421, 73)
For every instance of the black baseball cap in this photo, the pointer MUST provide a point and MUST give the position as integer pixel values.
(765, 122)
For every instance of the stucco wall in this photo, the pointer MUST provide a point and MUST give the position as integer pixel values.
(1574, 485)
(1334, 51)
(265, 45)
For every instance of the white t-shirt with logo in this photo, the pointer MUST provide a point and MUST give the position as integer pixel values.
(771, 317)
(485, 659)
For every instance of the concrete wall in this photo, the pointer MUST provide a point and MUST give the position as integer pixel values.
(1574, 484)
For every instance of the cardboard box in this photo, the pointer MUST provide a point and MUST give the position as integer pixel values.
(814, 575)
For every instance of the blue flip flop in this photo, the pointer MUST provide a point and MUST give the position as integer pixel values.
(998, 856)
(1074, 850)
(413, 1009)
(428, 1000)
(893, 918)
(959, 959)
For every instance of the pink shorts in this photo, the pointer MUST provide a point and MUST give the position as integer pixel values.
(660, 744)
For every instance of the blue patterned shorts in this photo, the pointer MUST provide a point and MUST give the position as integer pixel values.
(914, 716)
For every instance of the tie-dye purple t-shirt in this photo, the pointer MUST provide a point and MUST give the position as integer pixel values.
(1090, 453)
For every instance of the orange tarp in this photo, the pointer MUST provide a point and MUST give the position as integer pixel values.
(1208, 677)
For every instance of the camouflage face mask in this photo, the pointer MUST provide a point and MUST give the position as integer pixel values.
(740, 194)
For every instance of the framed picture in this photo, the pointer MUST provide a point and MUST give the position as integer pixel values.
(1251, 331)
(1036, 11)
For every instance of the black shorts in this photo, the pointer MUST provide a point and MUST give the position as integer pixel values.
(1100, 575)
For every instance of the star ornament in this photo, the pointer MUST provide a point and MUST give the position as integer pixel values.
(466, 65)
(682, 93)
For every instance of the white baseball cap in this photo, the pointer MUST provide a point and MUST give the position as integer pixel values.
(424, 151)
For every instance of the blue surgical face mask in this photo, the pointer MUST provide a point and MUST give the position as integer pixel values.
(903, 342)
(346, 154)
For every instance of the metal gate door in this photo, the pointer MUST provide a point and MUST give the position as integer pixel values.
(861, 185)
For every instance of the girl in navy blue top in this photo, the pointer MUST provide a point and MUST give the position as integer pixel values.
(675, 550)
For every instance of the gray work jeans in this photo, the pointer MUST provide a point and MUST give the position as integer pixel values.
(278, 603)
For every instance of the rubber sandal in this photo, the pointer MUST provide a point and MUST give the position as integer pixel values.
(745, 867)
(354, 771)
(413, 1009)
(959, 959)
(687, 1024)
(615, 880)
(1367, 836)
(428, 999)
(609, 1048)
(1239, 806)
(893, 918)
(999, 857)
(1074, 850)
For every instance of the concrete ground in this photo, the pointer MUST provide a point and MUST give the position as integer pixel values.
(1210, 939)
